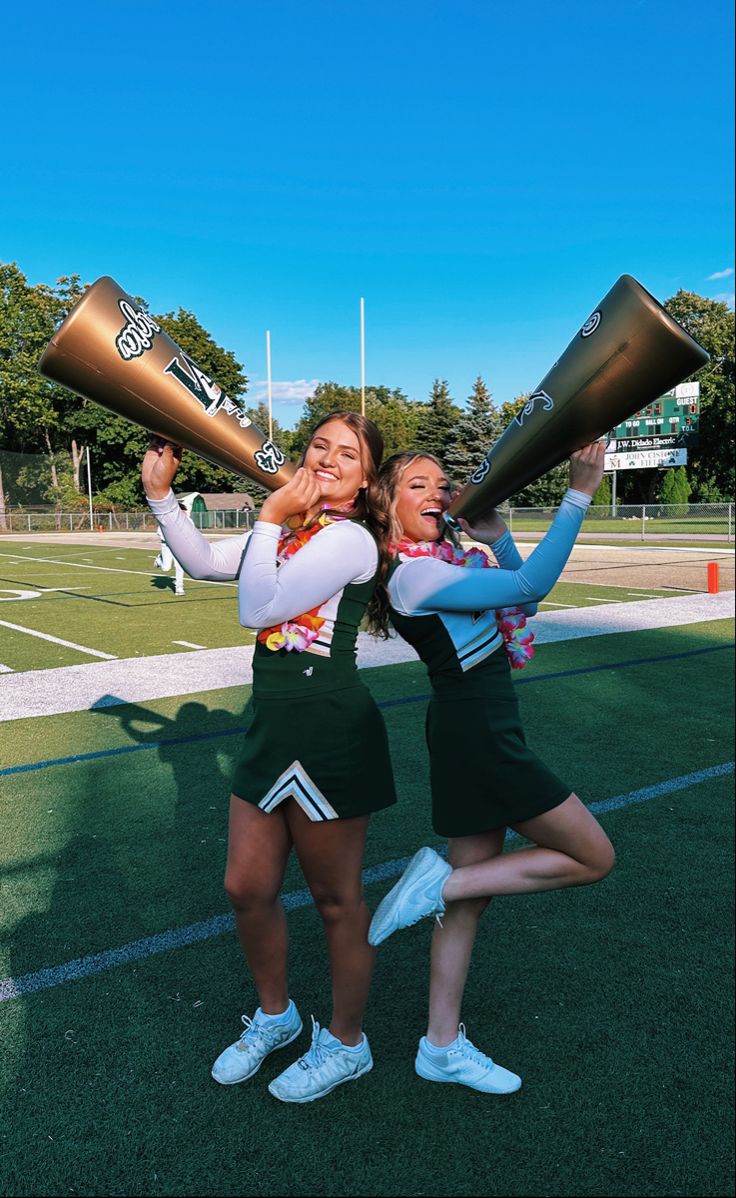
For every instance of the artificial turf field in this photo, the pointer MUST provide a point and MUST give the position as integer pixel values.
(63, 604)
(613, 1002)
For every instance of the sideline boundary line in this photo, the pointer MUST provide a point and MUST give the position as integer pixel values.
(148, 946)
(184, 740)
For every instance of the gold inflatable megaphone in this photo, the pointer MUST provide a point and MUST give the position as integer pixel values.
(628, 353)
(111, 351)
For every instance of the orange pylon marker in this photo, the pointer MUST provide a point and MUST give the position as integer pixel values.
(712, 578)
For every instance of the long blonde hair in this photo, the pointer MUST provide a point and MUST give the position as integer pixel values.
(387, 491)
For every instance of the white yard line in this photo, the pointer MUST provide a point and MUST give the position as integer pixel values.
(593, 599)
(45, 636)
(117, 570)
(189, 645)
(6, 669)
(551, 603)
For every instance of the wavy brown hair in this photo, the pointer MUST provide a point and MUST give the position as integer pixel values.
(367, 508)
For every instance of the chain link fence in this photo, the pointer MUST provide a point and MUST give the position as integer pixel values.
(641, 521)
(21, 520)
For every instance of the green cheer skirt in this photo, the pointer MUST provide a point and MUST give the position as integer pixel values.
(329, 752)
(483, 774)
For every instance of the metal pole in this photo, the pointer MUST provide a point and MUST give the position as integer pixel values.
(268, 368)
(362, 356)
(643, 518)
(613, 495)
(89, 488)
(511, 518)
(729, 520)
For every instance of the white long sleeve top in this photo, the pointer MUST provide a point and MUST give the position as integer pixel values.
(271, 592)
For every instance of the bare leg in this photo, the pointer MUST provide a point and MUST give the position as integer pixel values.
(570, 849)
(331, 856)
(257, 852)
(452, 943)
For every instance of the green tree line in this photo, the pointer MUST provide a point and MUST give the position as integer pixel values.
(52, 427)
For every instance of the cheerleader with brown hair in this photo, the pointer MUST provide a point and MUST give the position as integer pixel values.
(314, 763)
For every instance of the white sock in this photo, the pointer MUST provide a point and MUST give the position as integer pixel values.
(348, 1047)
(264, 1018)
(436, 1048)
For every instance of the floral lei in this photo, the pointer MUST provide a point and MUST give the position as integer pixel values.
(297, 635)
(511, 620)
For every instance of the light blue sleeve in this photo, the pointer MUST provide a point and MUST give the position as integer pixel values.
(426, 584)
(508, 557)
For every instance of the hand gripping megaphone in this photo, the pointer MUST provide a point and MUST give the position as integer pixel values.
(628, 353)
(111, 351)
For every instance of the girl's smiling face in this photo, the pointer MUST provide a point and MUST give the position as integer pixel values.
(334, 457)
(423, 498)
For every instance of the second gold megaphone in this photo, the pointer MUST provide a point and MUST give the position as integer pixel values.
(111, 351)
(629, 352)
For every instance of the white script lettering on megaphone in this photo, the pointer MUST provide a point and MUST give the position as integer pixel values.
(138, 334)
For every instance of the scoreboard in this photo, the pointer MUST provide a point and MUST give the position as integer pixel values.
(670, 422)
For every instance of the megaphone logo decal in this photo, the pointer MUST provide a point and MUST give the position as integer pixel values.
(269, 457)
(478, 475)
(591, 324)
(547, 404)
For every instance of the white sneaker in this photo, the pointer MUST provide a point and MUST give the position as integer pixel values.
(327, 1064)
(465, 1065)
(417, 893)
(261, 1037)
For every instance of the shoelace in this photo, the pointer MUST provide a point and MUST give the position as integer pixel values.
(253, 1033)
(317, 1053)
(467, 1049)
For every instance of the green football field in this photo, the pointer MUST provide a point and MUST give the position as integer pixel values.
(68, 604)
(121, 980)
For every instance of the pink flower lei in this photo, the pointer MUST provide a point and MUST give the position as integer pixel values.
(511, 620)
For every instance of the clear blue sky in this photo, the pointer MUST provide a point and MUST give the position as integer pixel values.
(481, 173)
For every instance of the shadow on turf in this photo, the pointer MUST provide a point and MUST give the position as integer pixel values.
(167, 583)
(141, 846)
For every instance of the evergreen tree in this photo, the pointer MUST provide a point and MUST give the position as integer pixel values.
(675, 490)
(477, 430)
(438, 420)
(602, 497)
